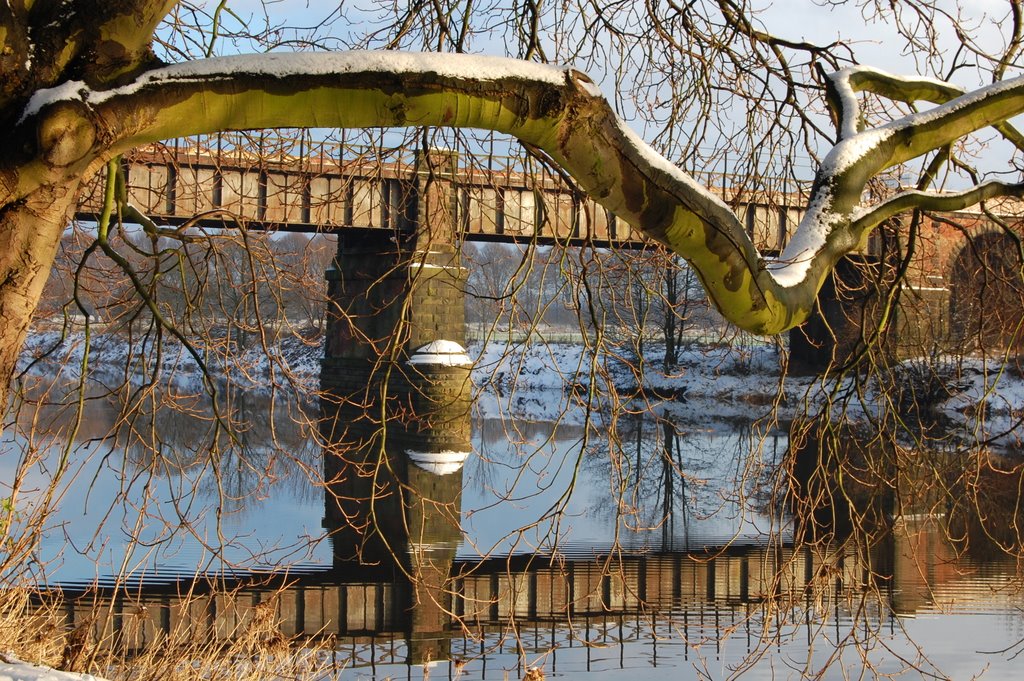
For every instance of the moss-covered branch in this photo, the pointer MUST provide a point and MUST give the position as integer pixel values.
(557, 110)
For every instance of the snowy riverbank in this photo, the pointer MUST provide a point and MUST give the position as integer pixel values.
(13, 669)
(507, 367)
(719, 373)
(550, 380)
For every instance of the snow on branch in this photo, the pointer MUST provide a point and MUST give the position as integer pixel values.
(867, 218)
(285, 65)
(558, 110)
(835, 213)
(847, 82)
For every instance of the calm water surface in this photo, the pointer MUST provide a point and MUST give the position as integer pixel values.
(654, 551)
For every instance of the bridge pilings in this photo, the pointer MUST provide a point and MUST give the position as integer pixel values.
(396, 318)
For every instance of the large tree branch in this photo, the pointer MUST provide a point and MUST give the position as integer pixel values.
(555, 109)
(911, 136)
(116, 42)
(905, 201)
(910, 90)
(96, 41)
(15, 47)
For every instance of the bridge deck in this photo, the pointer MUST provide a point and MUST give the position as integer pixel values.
(263, 183)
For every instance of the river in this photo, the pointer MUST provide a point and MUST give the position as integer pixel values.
(623, 543)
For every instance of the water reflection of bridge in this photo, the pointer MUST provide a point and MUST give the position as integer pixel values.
(399, 590)
(417, 596)
(362, 605)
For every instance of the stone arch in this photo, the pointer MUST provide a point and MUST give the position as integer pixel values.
(987, 294)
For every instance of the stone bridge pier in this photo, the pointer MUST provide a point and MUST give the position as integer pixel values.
(396, 319)
(849, 309)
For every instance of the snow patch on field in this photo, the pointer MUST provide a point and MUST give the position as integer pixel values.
(721, 381)
(114, 358)
(991, 405)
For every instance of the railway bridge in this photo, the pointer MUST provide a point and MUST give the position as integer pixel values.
(400, 217)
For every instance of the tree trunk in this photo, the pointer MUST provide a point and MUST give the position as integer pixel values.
(29, 234)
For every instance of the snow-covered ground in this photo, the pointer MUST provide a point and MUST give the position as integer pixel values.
(522, 366)
(539, 380)
(13, 669)
(991, 405)
(114, 357)
(524, 378)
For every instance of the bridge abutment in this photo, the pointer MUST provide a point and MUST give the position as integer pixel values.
(849, 310)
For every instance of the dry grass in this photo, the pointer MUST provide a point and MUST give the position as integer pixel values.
(34, 633)
(254, 647)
